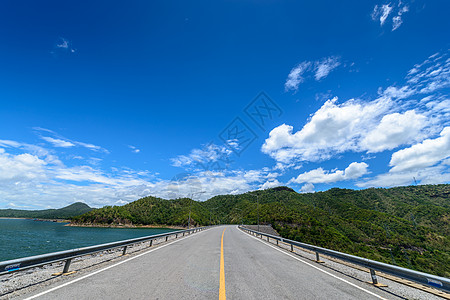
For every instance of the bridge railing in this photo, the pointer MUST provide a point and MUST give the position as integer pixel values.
(20, 264)
(416, 276)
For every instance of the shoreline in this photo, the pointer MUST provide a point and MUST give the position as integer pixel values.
(162, 226)
(70, 224)
(37, 219)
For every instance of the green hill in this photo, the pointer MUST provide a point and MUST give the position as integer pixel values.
(148, 211)
(405, 226)
(67, 212)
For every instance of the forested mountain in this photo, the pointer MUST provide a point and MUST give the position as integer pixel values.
(406, 226)
(67, 212)
(148, 211)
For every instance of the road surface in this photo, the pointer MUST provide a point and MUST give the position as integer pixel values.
(222, 262)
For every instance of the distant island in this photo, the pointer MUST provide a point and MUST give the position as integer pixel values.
(67, 212)
(405, 226)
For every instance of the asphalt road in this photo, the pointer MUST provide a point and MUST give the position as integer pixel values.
(189, 268)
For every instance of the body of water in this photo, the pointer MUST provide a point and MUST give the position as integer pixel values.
(22, 238)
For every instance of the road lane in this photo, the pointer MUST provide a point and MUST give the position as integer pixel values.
(185, 269)
(190, 268)
(256, 270)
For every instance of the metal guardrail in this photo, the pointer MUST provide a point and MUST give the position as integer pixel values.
(20, 264)
(419, 277)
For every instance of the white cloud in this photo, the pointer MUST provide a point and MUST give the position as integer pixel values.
(307, 188)
(319, 175)
(325, 66)
(426, 163)
(210, 157)
(58, 142)
(431, 175)
(270, 184)
(319, 68)
(83, 173)
(425, 154)
(213, 183)
(334, 128)
(437, 109)
(355, 170)
(397, 21)
(295, 76)
(64, 45)
(21, 167)
(431, 75)
(394, 130)
(381, 13)
(91, 146)
(33, 150)
(398, 92)
(134, 149)
(9, 143)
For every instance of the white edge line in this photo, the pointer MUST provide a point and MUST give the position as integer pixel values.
(107, 268)
(315, 267)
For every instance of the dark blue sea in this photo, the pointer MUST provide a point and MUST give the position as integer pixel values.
(21, 238)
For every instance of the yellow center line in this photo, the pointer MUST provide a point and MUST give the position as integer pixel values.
(222, 295)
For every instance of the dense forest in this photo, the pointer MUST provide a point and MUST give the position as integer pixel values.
(67, 212)
(405, 226)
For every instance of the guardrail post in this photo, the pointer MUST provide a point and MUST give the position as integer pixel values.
(374, 276)
(375, 280)
(167, 237)
(151, 243)
(66, 266)
(292, 248)
(318, 258)
(277, 242)
(176, 235)
(66, 269)
(124, 250)
(267, 238)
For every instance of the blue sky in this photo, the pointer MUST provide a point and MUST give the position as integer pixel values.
(105, 102)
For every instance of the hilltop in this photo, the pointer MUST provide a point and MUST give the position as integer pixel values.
(405, 226)
(67, 212)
